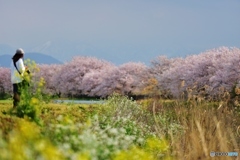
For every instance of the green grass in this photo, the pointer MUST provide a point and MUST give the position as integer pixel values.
(5, 101)
(5, 105)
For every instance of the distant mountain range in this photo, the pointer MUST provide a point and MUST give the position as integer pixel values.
(39, 58)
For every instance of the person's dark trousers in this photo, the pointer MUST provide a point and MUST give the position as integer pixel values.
(16, 94)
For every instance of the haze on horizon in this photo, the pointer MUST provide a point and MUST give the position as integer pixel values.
(119, 31)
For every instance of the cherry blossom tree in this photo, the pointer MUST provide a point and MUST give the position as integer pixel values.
(5, 81)
(69, 78)
(48, 72)
(127, 79)
(210, 70)
(134, 77)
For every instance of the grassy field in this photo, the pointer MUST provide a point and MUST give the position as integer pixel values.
(8, 101)
(122, 129)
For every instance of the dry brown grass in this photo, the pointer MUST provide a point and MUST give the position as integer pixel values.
(206, 127)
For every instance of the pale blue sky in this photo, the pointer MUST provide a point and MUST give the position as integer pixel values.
(121, 30)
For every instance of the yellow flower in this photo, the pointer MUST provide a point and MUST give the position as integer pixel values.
(34, 101)
(156, 144)
(41, 82)
(134, 154)
(26, 142)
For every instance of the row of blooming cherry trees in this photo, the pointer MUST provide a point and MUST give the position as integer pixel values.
(89, 76)
(213, 71)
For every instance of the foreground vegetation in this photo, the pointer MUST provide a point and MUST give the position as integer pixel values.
(120, 129)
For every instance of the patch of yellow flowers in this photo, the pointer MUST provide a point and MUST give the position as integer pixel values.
(26, 142)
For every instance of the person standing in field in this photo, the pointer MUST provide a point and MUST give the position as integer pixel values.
(17, 73)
